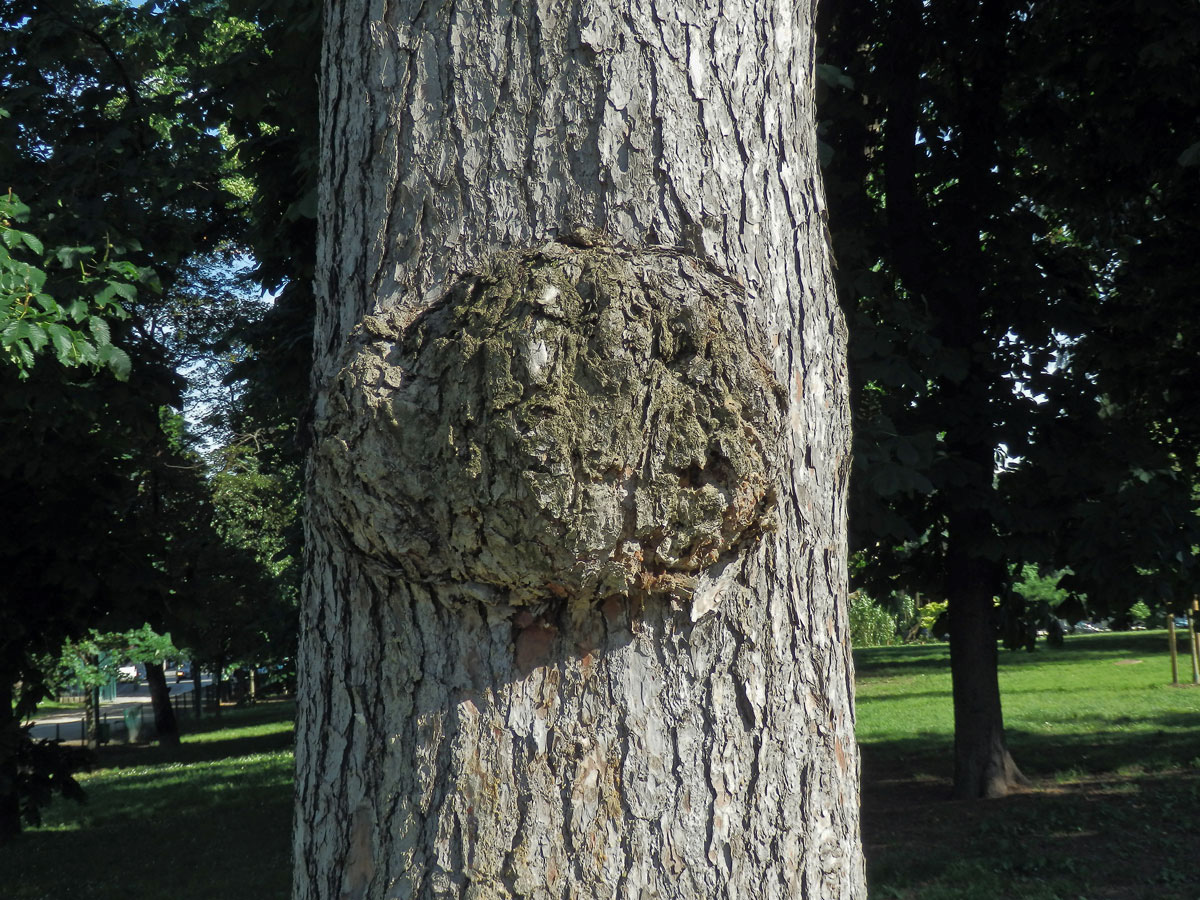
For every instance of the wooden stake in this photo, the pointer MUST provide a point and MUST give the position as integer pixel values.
(1174, 648)
(1193, 644)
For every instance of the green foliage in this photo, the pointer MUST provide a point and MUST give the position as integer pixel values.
(1139, 612)
(1038, 589)
(76, 330)
(256, 509)
(870, 624)
(94, 659)
(1011, 250)
(929, 614)
(242, 604)
(1036, 603)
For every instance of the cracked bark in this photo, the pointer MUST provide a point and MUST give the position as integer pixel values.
(548, 651)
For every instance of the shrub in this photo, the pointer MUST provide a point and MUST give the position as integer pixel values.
(870, 624)
(1139, 613)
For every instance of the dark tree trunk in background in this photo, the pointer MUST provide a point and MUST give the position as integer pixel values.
(574, 621)
(91, 713)
(198, 689)
(10, 804)
(982, 764)
(975, 570)
(165, 724)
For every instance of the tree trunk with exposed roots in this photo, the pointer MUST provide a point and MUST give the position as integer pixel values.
(574, 622)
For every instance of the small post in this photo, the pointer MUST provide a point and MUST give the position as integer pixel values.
(1193, 644)
(197, 691)
(1174, 648)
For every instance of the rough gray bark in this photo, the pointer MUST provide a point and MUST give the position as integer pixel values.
(574, 621)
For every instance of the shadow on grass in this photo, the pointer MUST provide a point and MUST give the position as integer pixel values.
(239, 849)
(1114, 836)
(1169, 746)
(1161, 742)
(195, 747)
(902, 662)
(195, 751)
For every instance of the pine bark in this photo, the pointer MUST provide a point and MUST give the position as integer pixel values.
(515, 680)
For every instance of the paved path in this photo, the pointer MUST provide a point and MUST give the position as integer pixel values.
(68, 726)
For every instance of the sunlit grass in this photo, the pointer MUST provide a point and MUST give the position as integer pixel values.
(208, 819)
(1079, 706)
(1113, 749)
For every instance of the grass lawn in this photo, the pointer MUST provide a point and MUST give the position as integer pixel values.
(1113, 751)
(208, 820)
(53, 707)
(1113, 814)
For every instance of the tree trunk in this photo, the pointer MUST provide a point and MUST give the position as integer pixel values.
(10, 738)
(983, 766)
(574, 619)
(165, 725)
(974, 562)
(198, 688)
(92, 717)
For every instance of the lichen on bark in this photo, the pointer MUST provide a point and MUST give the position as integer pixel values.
(569, 422)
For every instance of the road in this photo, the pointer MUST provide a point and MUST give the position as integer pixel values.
(68, 726)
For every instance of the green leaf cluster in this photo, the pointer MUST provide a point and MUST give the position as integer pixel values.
(76, 331)
(94, 659)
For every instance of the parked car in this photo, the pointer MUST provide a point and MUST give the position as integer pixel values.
(129, 674)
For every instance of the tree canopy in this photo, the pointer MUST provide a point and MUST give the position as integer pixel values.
(156, 157)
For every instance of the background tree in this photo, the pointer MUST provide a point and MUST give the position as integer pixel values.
(575, 622)
(1114, 134)
(978, 284)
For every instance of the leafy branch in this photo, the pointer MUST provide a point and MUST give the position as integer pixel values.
(31, 319)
